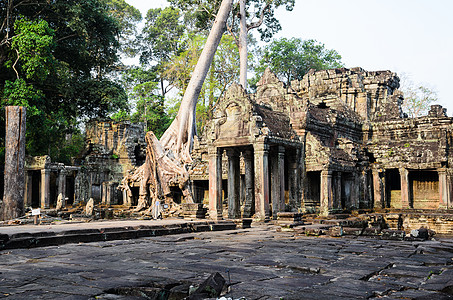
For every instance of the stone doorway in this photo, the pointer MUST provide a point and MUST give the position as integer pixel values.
(393, 189)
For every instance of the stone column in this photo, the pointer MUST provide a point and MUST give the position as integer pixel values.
(215, 183)
(337, 200)
(355, 191)
(12, 205)
(449, 189)
(105, 197)
(126, 198)
(28, 188)
(234, 177)
(294, 181)
(405, 192)
(364, 195)
(378, 190)
(249, 188)
(326, 192)
(45, 188)
(444, 192)
(62, 185)
(278, 181)
(262, 181)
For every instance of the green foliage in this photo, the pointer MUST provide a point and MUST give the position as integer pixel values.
(149, 105)
(56, 59)
(200, 14)
(292, 58)
(223, 72)
(127, 18)
(33, 43)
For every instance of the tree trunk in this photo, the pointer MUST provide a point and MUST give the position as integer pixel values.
(166, 159)
(179, 136)
(13, 197)
(243, 45)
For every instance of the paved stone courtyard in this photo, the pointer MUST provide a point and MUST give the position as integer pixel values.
(262, 264)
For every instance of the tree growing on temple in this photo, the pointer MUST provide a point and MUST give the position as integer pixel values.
(167, 158)
(246, 15)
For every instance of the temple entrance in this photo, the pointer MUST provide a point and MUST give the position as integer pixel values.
(393, 189)
(313, 193)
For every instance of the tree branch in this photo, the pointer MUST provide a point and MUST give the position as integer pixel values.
(260, 21)
(14, 65)
(230, 30)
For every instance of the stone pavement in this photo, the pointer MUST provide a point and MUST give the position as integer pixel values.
(29, 236)
(261, 262)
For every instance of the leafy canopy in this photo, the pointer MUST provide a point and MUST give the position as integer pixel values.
(57, 58)
(292, 58)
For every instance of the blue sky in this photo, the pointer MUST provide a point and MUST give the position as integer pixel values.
(414, 37)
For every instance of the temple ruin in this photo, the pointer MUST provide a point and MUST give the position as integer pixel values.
(335, 141)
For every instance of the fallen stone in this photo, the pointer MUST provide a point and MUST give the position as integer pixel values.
(388, 234)
(89, 208)
(210, 288)
(371, 231)
(60, 202)
(422, 233)
(352, 231)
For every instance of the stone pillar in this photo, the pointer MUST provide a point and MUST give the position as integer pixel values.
(337, 200)
(262, 181)
(364, 195)
(215, 183)
(294, 181)
(62, 185)
(12, 205)
(449, 189)
(45, 188)
(126, 198)
(28, 188)
(355, 191)
(378, 190)
(405, 191)
(105, 195)
(278, 182)
(444, 191)
(326, 192)
(234, 177)
(249, 188)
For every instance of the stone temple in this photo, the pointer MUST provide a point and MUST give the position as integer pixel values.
(335, 141)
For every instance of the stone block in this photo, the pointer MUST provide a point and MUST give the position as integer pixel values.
(371, 231)
(388, 234)
(335, 231)
(352, 231)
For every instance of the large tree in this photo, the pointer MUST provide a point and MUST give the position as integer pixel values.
(160, 40)
(247, 15)
(222, 73)
(56, 58)
(292, 58)
(167, 158)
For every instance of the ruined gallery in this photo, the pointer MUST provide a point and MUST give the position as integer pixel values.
(335, 141)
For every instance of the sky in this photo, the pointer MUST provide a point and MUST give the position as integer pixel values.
(410, 37)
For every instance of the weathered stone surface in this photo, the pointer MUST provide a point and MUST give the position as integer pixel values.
(259, 262)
